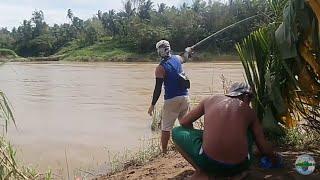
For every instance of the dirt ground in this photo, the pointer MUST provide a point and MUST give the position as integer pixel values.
(173, 166)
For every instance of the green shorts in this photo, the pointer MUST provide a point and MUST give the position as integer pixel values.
(190, 141)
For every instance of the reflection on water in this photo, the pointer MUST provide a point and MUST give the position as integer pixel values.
(82, 109)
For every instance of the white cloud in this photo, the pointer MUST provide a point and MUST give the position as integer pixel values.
(13, 15)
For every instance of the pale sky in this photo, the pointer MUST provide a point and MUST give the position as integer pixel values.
(13, 12)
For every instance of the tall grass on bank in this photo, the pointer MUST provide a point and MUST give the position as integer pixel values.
(149, 149)
(106, 50)
(298, 139)
(9, 167)
(156, 119)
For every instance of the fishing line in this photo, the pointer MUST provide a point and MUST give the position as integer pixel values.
(218, 33)
(223, 30)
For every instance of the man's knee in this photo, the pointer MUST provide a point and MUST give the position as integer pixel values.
(176, 133)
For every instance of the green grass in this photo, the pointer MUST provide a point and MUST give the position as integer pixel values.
(298, 139)
(8, 54)
(10, 168)
(210, 56)
(109, 49)
(149, 149)
(97, 53)
(156, 119)
(106, 49)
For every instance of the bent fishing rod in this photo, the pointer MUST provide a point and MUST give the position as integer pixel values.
(190, 49)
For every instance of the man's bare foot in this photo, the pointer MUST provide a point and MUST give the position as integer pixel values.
(198, 175)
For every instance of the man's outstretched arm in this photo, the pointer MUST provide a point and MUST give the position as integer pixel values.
(263, 145)
(193, 115)
(186, 55)
(159, 73)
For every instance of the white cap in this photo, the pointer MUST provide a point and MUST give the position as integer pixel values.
(238, 89)
(161, 43)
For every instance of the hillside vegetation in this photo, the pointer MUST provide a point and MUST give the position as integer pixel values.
(7, 54)
(132, 32)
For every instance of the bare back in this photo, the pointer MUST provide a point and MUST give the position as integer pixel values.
(226, 122)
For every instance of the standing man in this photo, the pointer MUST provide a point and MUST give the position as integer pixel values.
(176, 98)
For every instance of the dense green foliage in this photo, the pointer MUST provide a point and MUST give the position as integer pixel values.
(138, 27)
(282, 65)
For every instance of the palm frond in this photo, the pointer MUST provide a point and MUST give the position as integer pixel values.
(282, 64)
(6, 114)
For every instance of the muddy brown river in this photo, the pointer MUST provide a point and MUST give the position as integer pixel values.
(74, 113)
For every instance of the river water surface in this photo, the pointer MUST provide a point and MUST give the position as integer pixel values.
(76, 112)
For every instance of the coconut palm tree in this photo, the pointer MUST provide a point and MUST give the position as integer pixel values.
(282, 64)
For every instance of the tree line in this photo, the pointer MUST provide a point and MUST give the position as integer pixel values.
(138, 26)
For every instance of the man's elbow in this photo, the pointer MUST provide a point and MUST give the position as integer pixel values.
(182, 120)
(183, 123)
(186, 124)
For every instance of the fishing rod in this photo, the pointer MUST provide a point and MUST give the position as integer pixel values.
(189, 49)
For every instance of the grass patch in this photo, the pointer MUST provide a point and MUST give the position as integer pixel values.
(95, 53)
(156, 119)
(10, 169)
(69, 47)
(109, 49)
(149, 149)
(205, 56)
(106, 49)
(7, 54)
(298, 139)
